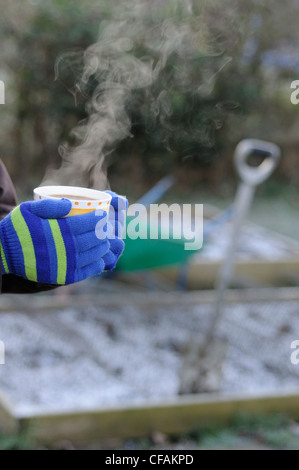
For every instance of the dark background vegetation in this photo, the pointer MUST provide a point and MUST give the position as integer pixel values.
(248, 97)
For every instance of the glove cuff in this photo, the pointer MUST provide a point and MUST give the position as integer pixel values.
(11, 250)
(4, 265)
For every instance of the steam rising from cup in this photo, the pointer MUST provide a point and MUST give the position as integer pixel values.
(141, 60)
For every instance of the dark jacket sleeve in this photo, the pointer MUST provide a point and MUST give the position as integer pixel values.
(8, 201)
(8, 197)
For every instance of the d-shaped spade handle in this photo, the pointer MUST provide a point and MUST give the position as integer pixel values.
(254, 176)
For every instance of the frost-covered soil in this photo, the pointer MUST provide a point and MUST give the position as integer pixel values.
(255, 242)
(92, 355)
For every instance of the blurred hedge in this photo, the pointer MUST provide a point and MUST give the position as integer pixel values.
(225, 88)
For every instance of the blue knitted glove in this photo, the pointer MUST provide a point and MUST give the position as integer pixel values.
(116, 222)
(37, 243)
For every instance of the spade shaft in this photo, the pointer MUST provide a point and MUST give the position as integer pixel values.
(250, 178)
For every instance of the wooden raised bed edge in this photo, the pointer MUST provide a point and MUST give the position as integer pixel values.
(176, 415)
(51, 302)
(8, 421)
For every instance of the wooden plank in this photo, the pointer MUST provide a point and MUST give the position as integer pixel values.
(46, 302)
(172, 416)
(203, 274)
(8, 422)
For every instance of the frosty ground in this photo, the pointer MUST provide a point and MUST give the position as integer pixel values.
(94, 355)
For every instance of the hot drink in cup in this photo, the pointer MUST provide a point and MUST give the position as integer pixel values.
(83, 200)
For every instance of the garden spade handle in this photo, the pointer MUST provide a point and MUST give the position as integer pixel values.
(254, 176)
(250, 178)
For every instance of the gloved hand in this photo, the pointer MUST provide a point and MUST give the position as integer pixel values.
(38, 244)
(116, 222)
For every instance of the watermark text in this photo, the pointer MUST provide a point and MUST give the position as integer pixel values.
(183, 222)
(2, 92)
(295, 354)
(2, 353)
(295, 93)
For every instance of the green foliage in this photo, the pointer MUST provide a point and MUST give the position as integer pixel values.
(246, 430)
(15, 442)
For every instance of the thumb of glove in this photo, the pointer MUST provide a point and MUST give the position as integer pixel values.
(51, 208)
